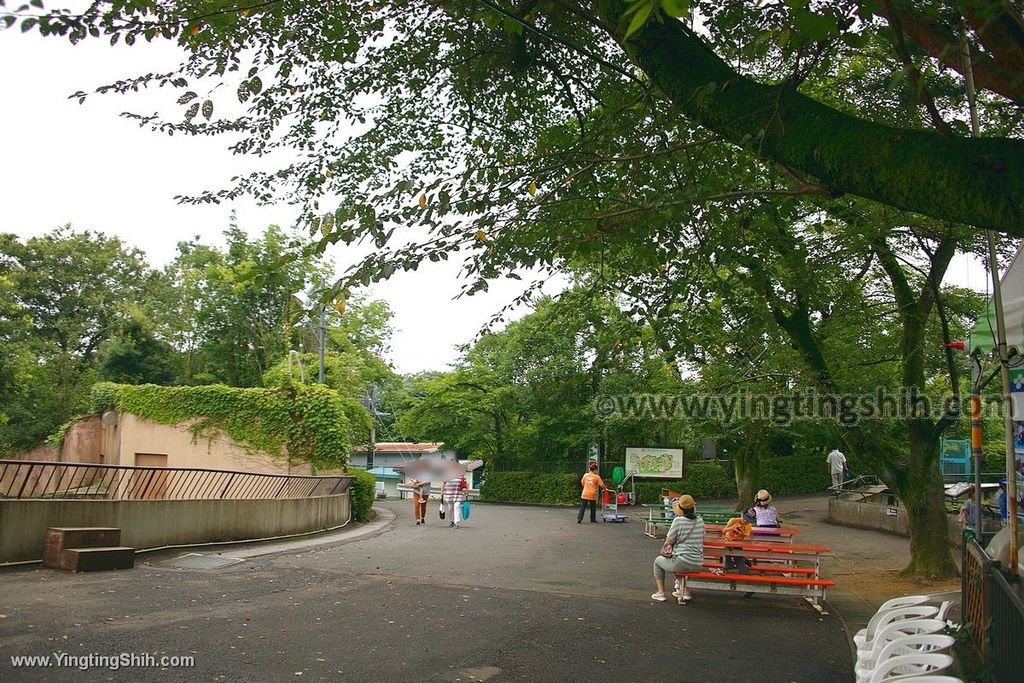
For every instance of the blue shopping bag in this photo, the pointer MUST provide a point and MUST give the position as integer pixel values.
(465, 509)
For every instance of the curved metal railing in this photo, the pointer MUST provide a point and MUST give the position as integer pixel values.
(75, 481)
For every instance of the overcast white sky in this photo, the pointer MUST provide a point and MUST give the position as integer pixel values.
(61, 162)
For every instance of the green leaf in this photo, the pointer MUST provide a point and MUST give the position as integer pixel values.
(639, 19)
(207, 109)
(676, 8)
(813, 26)
(187, 97)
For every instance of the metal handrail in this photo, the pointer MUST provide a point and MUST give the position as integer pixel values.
(29, 479)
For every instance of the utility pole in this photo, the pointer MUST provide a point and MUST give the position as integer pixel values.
(323, 339)
(997, 300)
(370, 402)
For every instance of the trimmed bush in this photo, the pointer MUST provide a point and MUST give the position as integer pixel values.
(702, 480)
(364, 488)
(531, 487)
(795, 474)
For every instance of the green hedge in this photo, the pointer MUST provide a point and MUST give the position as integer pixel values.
(703, 480)
(531, 487)
(792, 474)
(364, 488)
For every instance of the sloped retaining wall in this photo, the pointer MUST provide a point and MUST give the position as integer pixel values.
(892, 519)
(156, 523)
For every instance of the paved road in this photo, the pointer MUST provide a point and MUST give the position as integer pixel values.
(518, 593)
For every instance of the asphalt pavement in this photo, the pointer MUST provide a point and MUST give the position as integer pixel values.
(517, 593)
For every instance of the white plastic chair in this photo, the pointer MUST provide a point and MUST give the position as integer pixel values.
(903, 601)
(903, 645)
(907, 667)
(944, 610)
(897, 629)
(881, 619)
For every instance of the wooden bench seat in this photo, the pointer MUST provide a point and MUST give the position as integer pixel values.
(811, 589)
(776, 548)
(770, 569)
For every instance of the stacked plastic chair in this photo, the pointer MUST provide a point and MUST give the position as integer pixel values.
(903, 641)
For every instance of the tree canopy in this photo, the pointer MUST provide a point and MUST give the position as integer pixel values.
(80, 307)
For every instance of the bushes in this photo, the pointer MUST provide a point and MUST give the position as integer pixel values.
(703, 480)
(364, 488)
(531, 487)
(795, 474)
(782, 475)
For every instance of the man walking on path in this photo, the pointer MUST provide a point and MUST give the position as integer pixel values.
(836, 462)
(591, 485)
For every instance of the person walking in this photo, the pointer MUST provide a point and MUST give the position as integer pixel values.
(683, 550)
(836, 463)
(420, 495)
(452, 496)
(592, 484)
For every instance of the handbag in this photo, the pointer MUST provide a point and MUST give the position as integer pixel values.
(465, 509)
(440, 510)
(666, 550)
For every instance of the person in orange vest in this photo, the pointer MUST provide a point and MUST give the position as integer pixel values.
(591, 487)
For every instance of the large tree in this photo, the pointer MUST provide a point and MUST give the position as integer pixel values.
(68, 294)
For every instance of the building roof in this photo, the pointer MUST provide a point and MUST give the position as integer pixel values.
(384, 473)
(402, 447)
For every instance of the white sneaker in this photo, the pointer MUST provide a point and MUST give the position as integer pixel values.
(685, 596)
(660, 597)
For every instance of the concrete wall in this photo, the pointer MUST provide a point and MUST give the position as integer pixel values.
(136, 436)
(152, 523)
(81, 444)
(120, 439)
(864, 515)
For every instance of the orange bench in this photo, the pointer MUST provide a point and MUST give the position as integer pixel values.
(811, 589)
(770, 569)
(776, 548)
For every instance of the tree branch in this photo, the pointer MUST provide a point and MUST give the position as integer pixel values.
(977, 182)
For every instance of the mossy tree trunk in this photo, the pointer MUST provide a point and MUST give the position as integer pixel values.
(926, 511)
(746, 462)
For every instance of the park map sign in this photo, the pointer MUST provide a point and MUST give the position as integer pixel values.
(655, 463)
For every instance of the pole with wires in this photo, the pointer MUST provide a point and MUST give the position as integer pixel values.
(997, 300)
